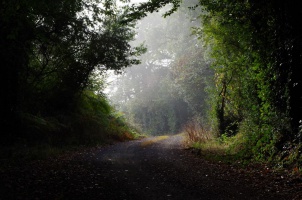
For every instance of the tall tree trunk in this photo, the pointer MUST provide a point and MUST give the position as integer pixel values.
(221, 107)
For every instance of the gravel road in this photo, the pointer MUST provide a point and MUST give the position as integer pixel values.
(151, 168)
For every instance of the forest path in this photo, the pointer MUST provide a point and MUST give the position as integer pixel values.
(151, 168)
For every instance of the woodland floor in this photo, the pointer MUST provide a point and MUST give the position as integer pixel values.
(151, 168)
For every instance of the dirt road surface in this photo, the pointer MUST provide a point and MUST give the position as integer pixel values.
(151, 168)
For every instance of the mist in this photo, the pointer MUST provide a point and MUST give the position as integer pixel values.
(166, 91)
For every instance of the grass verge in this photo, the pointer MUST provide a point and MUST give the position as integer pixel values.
(154, 140)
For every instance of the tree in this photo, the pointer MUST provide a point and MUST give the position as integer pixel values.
(255, 48)
(49, 50)
(256, 51)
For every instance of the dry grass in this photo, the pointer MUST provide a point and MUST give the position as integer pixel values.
(196, 132)
(201, 139)
(154, 140)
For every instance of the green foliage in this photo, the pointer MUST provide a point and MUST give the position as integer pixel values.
(251, 93)
(50, 52)
(255, 51)
(93, 122)
(54, 55)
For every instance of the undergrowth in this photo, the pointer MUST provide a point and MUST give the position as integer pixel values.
(223, 148)
(238, 150)
(92, 122)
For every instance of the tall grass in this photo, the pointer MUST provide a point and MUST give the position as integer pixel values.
(204, 142)
(196, 132)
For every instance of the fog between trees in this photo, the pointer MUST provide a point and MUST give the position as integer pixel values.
(253, 90)
(167, 90)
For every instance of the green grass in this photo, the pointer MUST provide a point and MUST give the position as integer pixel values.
(223, 149)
